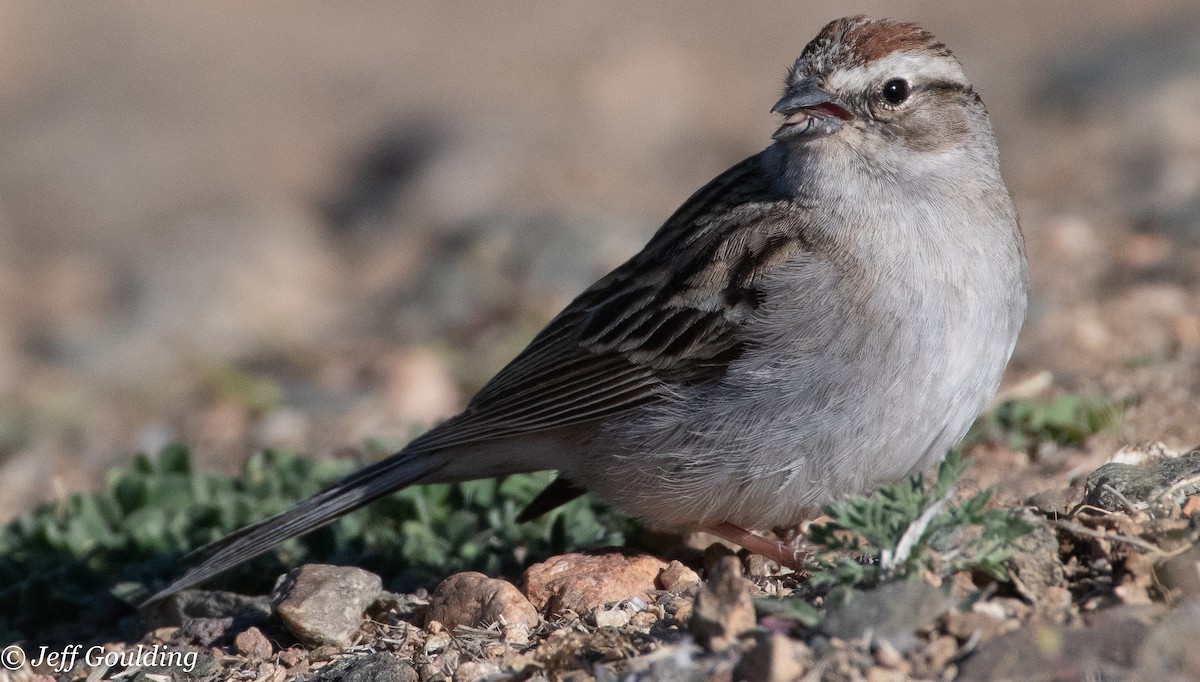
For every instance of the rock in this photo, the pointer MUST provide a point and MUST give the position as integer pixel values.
(477, 670)
(714, 552)
(580, 582)
(1134, 589)
(1035, 567)
(162, 635)
(674, 661)
(678, 610)
(294, 658)
(611, 618)
(407, 607)
(324, 604)
(1181, 573)
(1143, 453)
(646, 618)
(475, 600)
(1170, 651)
(976, 623)
(438, 642)
(774, 658)
(442, 667)
(887, 656)
(1006, 607)
(252, 643)
(202, 668)
(1052, 500)
(376, 667)
(1115, 487)
(939, 652)
(1015, 656)
(677, 578)
(759, 566)
(1191, 507)
(883, 674)
(723, 609)
(1042, 652)
(895, 612)
(188, 604)
(204, 632)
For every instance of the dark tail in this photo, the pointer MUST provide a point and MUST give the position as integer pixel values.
(352, 492)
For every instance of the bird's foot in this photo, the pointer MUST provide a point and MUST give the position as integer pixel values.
(786, 554)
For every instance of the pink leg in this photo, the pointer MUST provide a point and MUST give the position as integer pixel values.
(787, 555)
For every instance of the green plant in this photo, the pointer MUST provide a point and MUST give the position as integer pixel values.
(1066, 420)
(910, 529)
(60, 563)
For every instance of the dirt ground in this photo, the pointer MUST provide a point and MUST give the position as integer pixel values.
(363, 212)
(249, 225)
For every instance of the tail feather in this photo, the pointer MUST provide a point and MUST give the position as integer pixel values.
(352, 492)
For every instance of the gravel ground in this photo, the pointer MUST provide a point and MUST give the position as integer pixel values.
(250, 225)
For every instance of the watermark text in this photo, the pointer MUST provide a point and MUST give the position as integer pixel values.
(64, 660)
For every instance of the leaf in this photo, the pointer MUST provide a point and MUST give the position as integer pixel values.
(155, 509)
(796, 610)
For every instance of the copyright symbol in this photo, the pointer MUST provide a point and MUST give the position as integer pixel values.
(12, 657)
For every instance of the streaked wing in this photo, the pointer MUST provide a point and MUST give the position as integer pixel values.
(671, 315)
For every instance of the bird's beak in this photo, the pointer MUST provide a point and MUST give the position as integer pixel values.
(810, 111)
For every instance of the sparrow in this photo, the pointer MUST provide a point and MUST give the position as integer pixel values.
(828, 315)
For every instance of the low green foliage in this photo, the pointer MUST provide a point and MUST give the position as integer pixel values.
(956, 535)
(794, 609)
(1066, 420)
(60, 563)
(904, 530)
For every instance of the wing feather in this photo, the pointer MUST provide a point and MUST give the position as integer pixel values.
(672, 315)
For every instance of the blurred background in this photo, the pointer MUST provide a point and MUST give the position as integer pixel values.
(309, 225)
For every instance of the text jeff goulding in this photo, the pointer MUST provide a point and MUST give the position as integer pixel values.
(96, 656)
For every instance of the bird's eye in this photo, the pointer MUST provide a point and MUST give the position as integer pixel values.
(895, 91)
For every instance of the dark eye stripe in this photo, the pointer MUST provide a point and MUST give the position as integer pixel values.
(950, 86)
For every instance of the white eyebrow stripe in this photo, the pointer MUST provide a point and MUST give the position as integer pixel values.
(904, 65)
